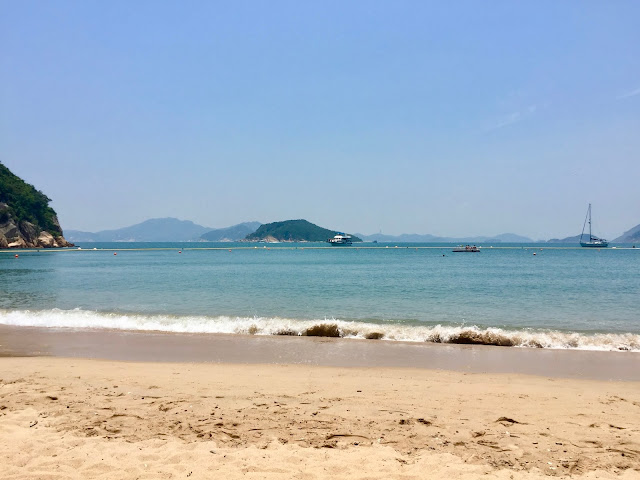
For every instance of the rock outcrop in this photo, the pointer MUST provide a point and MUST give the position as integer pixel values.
(26, 235)
(26, 220)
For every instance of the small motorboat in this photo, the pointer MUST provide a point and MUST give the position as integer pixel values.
(466, 249)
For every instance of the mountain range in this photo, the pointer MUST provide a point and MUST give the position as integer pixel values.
(418, 238)
(166, 230)
(174, 230)
(153, 230)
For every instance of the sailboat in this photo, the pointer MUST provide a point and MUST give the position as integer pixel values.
(593, 240)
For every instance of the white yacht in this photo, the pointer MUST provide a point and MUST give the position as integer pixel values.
(341, 239)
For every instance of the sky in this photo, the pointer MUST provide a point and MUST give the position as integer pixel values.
(450, 118)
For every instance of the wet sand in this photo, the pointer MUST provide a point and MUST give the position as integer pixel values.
(104, 405)
(318, 351)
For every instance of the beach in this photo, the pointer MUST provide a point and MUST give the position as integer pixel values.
(298, 363)
(208, 415)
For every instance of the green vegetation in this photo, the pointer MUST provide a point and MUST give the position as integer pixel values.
(294, 231)
(25, 203)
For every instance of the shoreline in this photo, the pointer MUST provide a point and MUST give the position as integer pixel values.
(540, 338)
(136, 346)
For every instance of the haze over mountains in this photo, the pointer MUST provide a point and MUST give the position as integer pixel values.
(231, 234)
(418, 238)
(167, 230)
(175, 230)
(153, 230)
(630, 236)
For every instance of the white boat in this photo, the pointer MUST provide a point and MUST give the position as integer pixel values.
(341, 239)
(594, 242)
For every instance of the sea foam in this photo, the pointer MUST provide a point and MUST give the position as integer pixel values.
(461, 334)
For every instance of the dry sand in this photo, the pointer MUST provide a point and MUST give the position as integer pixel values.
(79, 418)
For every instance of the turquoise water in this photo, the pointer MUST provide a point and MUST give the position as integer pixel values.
(558, 298)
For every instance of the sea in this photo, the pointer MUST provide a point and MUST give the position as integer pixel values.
(509, 295)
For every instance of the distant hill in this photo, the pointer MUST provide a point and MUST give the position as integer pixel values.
(26, 219)
(575, 239)
(511, 238)
(427, 238)
(630, 236)
(293, 231)
(231, 234)
(403, 238)
(153, 230)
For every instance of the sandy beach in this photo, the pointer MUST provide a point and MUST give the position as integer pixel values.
(96, 418)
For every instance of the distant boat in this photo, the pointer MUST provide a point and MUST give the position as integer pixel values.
(466, 249)
(341, 239)
(594, 242)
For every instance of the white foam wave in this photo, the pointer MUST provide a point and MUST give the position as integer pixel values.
(82, 319)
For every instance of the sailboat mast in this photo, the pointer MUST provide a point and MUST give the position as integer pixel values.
(593, 241)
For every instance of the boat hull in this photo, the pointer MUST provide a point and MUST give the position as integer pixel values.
(594, 244)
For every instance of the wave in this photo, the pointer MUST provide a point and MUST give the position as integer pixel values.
(452, 334)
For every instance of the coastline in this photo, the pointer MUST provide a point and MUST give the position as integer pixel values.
(137, 346)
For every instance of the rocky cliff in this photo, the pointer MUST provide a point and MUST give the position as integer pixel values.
(26, 219)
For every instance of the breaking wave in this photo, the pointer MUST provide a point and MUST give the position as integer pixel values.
(470, 335)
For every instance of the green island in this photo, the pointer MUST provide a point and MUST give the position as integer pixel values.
(292, 231)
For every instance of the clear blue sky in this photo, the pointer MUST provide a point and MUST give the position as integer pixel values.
(450, 118)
